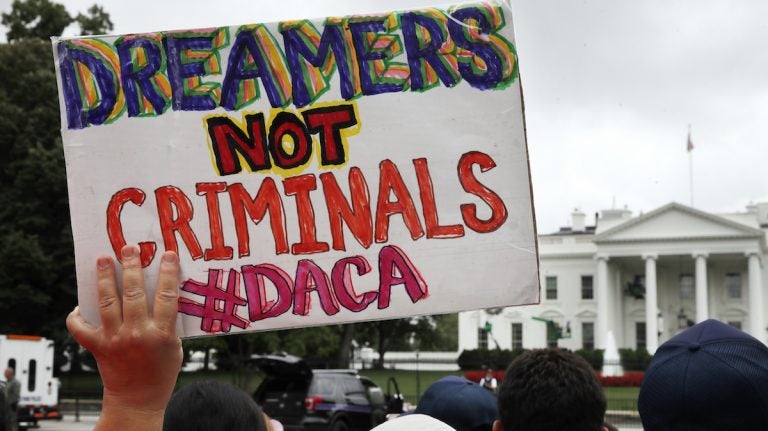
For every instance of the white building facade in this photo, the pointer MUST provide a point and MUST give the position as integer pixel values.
(642, 279)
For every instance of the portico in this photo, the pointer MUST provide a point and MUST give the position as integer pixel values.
(643, 278)
(669, 254)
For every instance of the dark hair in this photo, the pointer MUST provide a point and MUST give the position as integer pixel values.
(550, 390)
(209, 405)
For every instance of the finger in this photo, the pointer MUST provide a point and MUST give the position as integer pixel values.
(167, 293)
(85, 333)
(109, 300)
(134, 296)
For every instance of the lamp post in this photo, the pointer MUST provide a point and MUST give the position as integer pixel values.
(418, 378)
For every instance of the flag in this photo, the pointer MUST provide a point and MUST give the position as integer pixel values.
(690, 143)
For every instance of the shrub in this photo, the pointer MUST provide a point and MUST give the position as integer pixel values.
(594, 357)
(635, 360)
(479, 359)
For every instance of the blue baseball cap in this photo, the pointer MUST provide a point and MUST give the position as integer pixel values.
(459, 403)
(710, 377)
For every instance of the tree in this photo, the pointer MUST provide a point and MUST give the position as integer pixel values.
(37, 277)
(35, 19)
(96, 22)
(428, 333)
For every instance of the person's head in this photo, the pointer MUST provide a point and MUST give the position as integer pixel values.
(9, 373)
(414, 422)
(550, 390)
(462, 404)
(210, 405)
(710, 377)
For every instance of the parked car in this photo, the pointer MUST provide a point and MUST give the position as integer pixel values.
(303, 399)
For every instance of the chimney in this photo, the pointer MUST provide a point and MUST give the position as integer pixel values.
(579, 221)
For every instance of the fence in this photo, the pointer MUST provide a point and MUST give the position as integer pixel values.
(78, 401)
(622, 412)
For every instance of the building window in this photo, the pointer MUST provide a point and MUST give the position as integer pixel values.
(687, 288)
(733, 285)
(735, 323)
(640, 335)
(482, 339)
(587, 289)
(551, 336)
(588, 335)
(517, 336)
(551, 283)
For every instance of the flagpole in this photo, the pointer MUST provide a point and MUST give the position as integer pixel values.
(690, 163)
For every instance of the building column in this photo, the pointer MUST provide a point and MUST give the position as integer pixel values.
(651, 304)
(702, 291)
(756, 322)
(601, 296)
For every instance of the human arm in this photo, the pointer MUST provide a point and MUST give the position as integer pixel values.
(138, 354)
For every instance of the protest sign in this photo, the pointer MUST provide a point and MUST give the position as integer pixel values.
(307, 172)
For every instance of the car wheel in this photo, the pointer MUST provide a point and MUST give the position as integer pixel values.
(339, 425)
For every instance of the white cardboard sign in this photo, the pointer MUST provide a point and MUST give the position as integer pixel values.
(307, 172)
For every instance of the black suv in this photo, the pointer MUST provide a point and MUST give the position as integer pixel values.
(303, 399)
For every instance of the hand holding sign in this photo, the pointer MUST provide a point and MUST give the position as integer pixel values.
(138, 352)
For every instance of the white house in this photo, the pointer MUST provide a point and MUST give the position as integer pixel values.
(642, 278)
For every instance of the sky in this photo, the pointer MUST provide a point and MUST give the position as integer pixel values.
(610, 89)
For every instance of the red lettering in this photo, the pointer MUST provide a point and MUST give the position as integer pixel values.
(267, 199)
(395, 268)
(429, 206)
(115, 225)
(473, 186)
(391, 181)
(258, 306)
(218, 250)
(300, 187)
(357, 218)
(170, 198)
(328, 122)
(286, 124)
(310, 277)
(341, 278)
(227, 139)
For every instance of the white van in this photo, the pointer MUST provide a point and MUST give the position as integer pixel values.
(32, 358)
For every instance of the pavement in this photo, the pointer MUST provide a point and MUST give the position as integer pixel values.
(87, 422)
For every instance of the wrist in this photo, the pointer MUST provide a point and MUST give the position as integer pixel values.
(117, 413)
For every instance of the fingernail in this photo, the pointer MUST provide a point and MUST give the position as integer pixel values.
(129, 251)
(170, 257)
(103, 262)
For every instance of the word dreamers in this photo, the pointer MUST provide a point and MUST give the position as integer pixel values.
(146, 74)
(367, 219)
(271, 292)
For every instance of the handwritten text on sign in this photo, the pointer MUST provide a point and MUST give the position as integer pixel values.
(260, 155)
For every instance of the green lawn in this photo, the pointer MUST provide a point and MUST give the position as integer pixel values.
(622, 393)
(410, 382)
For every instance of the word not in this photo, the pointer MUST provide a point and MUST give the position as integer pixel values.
(367, 221)
(219, 309)
(259, 149)
(146, 74)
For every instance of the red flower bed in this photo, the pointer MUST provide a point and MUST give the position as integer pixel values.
(476, 375)
(630, 378)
